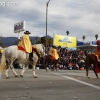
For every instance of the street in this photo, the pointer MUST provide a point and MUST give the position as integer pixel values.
(50, 85)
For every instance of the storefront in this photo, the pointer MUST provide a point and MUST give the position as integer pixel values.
(89, 46)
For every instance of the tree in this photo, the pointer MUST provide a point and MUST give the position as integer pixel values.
(83, 38)
(96, 36)
(67, 33)
(50, 41)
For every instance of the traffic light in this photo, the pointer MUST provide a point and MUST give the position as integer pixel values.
(42, 39)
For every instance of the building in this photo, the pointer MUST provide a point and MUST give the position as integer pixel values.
(89, 46)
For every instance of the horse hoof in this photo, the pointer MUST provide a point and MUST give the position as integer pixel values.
(7, 77)
(16, 75)
(21, 75)
(97, 77)
(35, 76)
(52, 69)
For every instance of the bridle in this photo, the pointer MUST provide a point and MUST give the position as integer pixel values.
(39, 53)
(43, 52)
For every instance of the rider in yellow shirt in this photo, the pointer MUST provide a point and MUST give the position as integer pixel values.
(53, 53)
(25, 43)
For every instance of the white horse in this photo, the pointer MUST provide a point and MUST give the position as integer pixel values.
(11, 53)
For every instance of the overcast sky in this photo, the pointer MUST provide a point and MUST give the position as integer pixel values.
(79, 17)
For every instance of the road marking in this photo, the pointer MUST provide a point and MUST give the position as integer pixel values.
(81, 74)
(77, 74)
(88, 84)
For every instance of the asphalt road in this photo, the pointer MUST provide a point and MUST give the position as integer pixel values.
(51, 85)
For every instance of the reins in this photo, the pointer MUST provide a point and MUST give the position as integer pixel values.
(36, 51)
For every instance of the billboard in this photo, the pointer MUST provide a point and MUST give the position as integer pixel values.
(18, 27)
(64, 41)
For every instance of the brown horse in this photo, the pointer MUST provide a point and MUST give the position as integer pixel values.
(91, 59)
(50, 61)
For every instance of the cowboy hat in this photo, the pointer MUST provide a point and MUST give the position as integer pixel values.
(27, 32)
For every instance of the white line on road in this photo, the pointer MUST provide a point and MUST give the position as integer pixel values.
(88, 84)
(77, 74)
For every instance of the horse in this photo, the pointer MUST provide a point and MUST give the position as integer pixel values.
(11, 53)
(91, 59)
(49, 60)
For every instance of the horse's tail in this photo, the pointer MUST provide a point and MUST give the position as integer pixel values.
(3, 62)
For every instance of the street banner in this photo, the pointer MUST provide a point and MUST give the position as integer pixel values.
(64, 41)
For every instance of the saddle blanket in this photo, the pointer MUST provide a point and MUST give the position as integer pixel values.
(21, 48)
(97, 55)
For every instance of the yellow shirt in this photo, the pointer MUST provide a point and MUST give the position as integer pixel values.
(53, 52)
(26, 43)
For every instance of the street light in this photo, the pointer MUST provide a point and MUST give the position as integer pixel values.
(46, 22)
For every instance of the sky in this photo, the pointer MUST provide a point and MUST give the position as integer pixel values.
(79, 17)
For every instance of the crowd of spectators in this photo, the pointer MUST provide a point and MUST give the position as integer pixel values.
(72, 59)
(69, 59)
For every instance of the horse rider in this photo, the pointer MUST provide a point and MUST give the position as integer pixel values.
(53, 52)
(98, 46)
(25, 43)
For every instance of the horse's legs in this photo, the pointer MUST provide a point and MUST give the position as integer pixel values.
(95, 73)
(6, 73)
(46, 64)
(53, 68)
(95, 65)
(13, 70)
(54, 65)
(34, 75)
(87, 69)
(23, 70)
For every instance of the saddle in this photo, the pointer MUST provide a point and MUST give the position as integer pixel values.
(33, 49)
(21, 48)
(97, 54)
(52, 57)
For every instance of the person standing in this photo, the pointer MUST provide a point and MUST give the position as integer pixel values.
(25, 43)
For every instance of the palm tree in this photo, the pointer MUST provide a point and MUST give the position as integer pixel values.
(83, 38)
(96, 36)
(67, 33)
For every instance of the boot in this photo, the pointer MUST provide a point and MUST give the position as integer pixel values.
(31, 56)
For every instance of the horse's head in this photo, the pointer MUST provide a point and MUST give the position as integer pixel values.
(41, 49)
